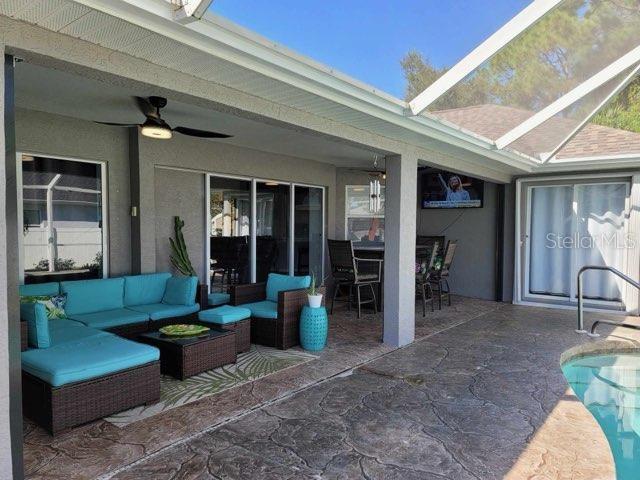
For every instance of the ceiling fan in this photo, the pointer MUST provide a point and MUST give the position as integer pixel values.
(155, 127)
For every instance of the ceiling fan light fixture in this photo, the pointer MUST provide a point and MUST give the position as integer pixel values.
(155, 130)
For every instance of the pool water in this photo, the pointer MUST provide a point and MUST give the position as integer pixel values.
(609, 386)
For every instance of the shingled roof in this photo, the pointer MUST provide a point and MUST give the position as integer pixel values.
(493, 121)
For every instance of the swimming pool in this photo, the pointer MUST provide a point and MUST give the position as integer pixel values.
(609, 386)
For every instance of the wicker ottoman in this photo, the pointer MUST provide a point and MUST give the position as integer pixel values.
(236, 319)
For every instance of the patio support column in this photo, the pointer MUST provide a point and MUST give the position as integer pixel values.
(142, 187)
(134, 192)
(10, 370)
(400, 250)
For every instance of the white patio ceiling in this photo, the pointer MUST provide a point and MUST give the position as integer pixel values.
(219, 51)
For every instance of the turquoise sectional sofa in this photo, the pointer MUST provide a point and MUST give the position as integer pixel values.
(79, 368)
(123, 305)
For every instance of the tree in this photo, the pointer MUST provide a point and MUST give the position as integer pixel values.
(560, 51)
(623, 111)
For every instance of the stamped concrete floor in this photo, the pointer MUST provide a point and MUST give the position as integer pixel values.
(479, 395)
(100, 448)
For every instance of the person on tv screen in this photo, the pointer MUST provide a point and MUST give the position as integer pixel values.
(455, 190)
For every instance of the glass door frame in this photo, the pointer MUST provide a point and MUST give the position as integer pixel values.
(207, 225)
(522, 250)
(104, 207)
(253, 218)
(292, 254)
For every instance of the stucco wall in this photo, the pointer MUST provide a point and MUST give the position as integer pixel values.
(473, 271)
(160, 188)
(163, 197)
(55, 135)
(171, 201)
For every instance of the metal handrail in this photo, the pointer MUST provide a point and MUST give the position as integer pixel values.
(619, 274)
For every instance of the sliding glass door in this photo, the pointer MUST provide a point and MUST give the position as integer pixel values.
(272, 228)
(229, 232)
(567, 225)
(309, 228)
(551, 213)
(257, 227)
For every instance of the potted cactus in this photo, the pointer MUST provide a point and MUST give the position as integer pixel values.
(180, 260)
(314, 295)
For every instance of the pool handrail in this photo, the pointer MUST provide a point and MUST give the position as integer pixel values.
(616, 272)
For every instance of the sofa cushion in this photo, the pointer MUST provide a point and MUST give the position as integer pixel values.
(158, 311)
(224, 315)
(277, 283)
(51, 288)
(111, 318)
(35, 315)
(63, 331)
(180, 291)
(263, 309)
(89, 296)
(87, 358)
(145, 289)
(218, 298)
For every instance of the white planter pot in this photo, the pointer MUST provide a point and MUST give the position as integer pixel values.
(315, 301)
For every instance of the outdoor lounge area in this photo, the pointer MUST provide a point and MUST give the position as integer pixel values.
(221, 258)
(105, 348)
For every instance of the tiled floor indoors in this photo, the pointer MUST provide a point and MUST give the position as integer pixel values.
(478, 395)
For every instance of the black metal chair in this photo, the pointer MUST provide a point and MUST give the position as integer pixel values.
(426, 260)
(346, 273)
(440, 277)
(428, 241)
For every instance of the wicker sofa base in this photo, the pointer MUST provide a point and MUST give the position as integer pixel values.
(59, 408)
(270, 333)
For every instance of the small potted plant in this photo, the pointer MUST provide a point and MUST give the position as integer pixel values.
(313, 294)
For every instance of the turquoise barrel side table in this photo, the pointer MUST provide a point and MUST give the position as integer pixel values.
(314, 325)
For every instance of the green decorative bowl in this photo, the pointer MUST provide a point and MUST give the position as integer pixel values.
(182, 330)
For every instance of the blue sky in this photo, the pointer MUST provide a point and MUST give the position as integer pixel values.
(367, 38)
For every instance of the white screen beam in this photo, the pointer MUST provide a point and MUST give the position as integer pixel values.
(483, 52)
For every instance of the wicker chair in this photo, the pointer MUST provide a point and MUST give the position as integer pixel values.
(282, 332)
(439, 280)
(345, 267)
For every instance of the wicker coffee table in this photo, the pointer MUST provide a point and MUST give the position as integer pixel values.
(183, 357)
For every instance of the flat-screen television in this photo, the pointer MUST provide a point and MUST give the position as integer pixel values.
(442, 189)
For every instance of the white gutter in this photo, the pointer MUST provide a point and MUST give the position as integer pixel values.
(225, 40)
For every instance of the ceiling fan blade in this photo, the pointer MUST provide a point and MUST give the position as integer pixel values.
(194, 132)
(144, 105)
(119, 124)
